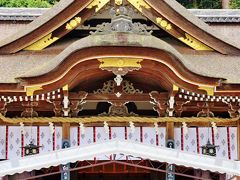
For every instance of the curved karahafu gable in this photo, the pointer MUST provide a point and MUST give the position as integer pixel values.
(166, 14)
(155, 57)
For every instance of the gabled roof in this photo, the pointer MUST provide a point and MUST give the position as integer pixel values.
(138, 150)
(166, 14)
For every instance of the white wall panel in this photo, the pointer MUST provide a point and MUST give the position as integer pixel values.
(177, 138)
(14, 142)
(73, 136)
(45, 139)
(149, 136)
(162, 136)
(190, 141)
(58, 137)
(221, 141)
(2, 142)
(233, 142)
(87, 137)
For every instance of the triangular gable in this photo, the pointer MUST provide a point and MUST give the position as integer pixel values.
(166, 14)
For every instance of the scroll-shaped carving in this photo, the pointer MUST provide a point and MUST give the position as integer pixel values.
(29, 111)
(110, 87)
(159, 105)
(77, 105)
(3, 109)
(233, 109)
(58, 108)
(179, 107)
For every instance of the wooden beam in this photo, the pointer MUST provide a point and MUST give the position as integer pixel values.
(169, 130)
(238, 140)
(66, 130)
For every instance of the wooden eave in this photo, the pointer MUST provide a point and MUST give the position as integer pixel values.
(182, 24)
(54, 24)
(188, 24)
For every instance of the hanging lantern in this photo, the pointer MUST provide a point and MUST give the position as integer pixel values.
(209, 149)
(31, 149)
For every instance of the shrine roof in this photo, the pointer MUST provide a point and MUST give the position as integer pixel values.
(207, 15)
(36, 63)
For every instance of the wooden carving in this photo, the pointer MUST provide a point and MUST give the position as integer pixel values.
(58, 108)
(3, 109)
(159, 105)
(233, 109)
(29, 111)
(77, 105)
(110, 87)
(205, 112)
(118, 109)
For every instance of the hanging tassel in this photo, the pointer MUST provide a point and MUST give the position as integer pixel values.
(156, 128)
(22, 128)
(132, 127)
(215, 129)
(106, 127)
(185, 128)
(51, 127)
(82, 128)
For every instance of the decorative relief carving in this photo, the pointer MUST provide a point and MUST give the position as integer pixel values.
(77, 105)
(128, 88)
(121, 21)
(29, 111)
(73, 23)
(118, 2)
(42, 43)
(164, 23)
(118, 109)
(233, 109)
(205, 112)
(179, 107)
(194, 43)
(58, 108)
(120, 66)
(3, 109)
(109, 87)
(160, 106)
(98, 4)
(139, 4)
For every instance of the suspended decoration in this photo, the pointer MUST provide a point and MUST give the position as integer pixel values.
(51, 127)
(209, 149)
(185, 128)
(156, 128)
(22, 128)
(215, 129)
(106, 127)
(31, 149)
(132, 127)
(82, 128)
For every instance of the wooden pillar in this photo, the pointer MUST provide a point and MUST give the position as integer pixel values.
(170, 130)
(66, 131)
(238, 143)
